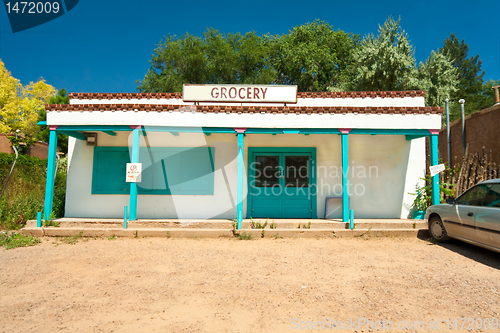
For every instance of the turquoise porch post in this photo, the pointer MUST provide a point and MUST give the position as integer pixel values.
(134, 159)
(345, 179)
(239, 195)
(434, 161)
(51, 170)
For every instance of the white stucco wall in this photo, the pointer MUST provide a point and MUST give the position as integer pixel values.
(385, 169)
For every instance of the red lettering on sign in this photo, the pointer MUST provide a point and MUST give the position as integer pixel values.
(264, 91)
(249, 93)
(232, 89)
(239, 93)
(216, 91)
(256, 93)
(223, 92)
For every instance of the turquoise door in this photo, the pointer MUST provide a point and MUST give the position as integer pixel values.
(281, 183)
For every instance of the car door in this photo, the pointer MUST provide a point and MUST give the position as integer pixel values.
(462, 222)
(488, 218)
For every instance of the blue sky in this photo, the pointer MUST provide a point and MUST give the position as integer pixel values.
(105, 46)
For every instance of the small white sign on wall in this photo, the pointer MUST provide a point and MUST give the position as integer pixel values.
(435, 169)
(134, 172)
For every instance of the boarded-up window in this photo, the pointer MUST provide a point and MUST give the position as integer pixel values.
(172, 170)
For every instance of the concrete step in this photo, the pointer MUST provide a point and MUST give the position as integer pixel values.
(299, 224)
(216, 233)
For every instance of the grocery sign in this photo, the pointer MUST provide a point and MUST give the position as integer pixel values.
(239, 93)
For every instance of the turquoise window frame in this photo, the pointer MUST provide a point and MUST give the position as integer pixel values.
(115, 190)
(286, 150)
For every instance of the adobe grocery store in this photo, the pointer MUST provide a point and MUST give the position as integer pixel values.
(243, 151)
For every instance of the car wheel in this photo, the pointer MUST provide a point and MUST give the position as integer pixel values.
(437, 229)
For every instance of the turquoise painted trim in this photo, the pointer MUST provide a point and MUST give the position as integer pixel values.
(239, 195)
(109, 133)
(351, 219)
(345, 177)
(308, 150)
(308, 131)
(434, 161)
(314, 186)
(94, 128)
(189, 129)
(42, 123)
(125, 218)
(175, 133)
(51, 170)
(413, 137)
(38, 219)
(76, 135)
(126, 128)
(281, 149)
(424, 132)
(133, 186)
(264, 131)
(116, 157)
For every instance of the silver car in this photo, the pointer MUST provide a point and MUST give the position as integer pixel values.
(473, 217)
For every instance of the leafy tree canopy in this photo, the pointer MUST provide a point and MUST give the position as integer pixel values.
(385, 62)
(471, 85)
(438, 77)
(213, 58)
(44, 132)
(469, 68)
(313, 56)
(19, 105)
(316, 57)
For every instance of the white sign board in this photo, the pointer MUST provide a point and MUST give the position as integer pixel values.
(435, 169)
(134, 172)
(239, 93)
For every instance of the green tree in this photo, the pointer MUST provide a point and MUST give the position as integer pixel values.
(470, 85)
(385, 62)
(487, 96)
(44, 132)
(313, 56)
(438, 77)
(213, 58)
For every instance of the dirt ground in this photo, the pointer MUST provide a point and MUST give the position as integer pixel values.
(265, 285)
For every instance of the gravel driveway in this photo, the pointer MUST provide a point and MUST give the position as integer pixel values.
(264, 285)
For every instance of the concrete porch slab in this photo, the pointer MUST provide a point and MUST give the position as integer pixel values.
(277, 228)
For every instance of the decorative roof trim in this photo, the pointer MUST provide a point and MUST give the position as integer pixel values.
(245, 109)
(325, 94)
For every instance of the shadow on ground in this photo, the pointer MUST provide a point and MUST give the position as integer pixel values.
(476, 253)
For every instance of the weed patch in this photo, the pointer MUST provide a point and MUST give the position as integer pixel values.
(245, 236)
(258, 225)
(12, 240)
(71, 239)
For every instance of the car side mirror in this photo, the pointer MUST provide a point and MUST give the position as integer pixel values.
(451, 201)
